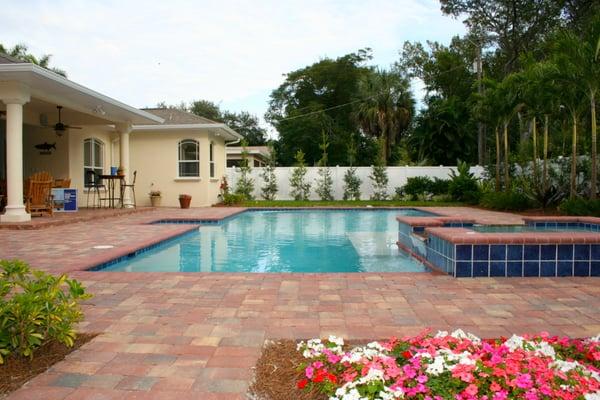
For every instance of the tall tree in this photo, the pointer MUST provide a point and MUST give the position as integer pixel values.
(387, 109)
(21, 52)
(320, 96)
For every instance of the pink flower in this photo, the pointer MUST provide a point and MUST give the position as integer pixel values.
(309, 372)
(471, 390)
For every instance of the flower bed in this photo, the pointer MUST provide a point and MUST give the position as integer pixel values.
(453, 366)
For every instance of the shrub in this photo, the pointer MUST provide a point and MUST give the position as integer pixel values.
(351, 184)
(232, 199)
(463, 185)
(36, 307)
(507, 201)
(245, 184)
(300, 188)
(379, 175)
(439, 186)
(417, 186)
(269, 190)
(580, 206)
(324, 187)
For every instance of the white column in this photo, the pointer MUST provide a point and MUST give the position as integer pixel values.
(124, 130)
(14, 96)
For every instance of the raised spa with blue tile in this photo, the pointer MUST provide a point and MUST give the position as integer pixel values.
(542, 247)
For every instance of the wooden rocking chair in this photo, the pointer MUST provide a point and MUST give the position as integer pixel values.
(38, 199)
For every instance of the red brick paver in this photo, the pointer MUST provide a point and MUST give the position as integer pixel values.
(197, 335)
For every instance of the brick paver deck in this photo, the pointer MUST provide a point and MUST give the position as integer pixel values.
(197, 335)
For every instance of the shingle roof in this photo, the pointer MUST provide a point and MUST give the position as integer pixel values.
(6, 59)
(173, 116)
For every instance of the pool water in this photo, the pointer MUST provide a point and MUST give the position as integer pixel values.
(285, 241)
(525, 228)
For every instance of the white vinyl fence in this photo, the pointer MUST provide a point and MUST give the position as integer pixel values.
(397, 177)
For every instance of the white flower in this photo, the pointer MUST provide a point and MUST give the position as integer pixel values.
(514, 342)
(592, 396)
(336, 340)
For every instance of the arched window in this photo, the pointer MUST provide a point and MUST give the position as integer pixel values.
(189, 158)
(93, 158)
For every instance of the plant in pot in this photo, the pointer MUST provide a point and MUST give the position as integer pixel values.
(185, 200)
(120, 171)
(155, 197)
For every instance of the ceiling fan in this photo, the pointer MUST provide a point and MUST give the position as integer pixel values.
(61, 128)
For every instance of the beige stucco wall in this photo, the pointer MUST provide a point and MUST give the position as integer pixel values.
(155, 156)
(56, 163)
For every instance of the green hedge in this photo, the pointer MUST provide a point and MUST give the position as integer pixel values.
(580, 207)
(505, 201)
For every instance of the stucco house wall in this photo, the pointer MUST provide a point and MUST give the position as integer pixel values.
(155, 156)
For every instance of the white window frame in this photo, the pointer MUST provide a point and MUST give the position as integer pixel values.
(180, 159)
(95, 165)
(211, 155)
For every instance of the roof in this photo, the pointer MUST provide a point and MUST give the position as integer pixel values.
(178, 120)
(6, 59)
(53, 88)
(174, 116)
(263, 151)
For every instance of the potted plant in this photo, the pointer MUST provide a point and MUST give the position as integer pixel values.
(155, 197)
(120, 171)
(185, 200)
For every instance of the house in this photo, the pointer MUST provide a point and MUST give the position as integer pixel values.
(258, 156)
(171, 150)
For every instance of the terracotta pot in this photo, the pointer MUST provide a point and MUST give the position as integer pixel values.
(155, 201)
(185, 200)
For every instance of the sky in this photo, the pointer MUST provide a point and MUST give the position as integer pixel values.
(233, 53)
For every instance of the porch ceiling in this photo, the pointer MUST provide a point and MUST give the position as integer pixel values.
(82, 105)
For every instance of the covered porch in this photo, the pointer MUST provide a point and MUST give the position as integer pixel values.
(92, 133)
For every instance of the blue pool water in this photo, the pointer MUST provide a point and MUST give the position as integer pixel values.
(285, 241)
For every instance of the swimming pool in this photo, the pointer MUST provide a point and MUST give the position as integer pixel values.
(285, 241)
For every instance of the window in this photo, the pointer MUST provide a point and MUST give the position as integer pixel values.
(189, 160)
(93, 159)
(212, 159)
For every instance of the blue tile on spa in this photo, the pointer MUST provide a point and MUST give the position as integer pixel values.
(497, 252)
(531, 252)
(463, 251)
(565, 252)
(565, 268)
(463, 269)
(497, 268)
(548, 252)
(531, 268)
(581, 268)
(595, 250)
(480, 268)
(481, 252)
(582, 252)
(595, 268)
(548, 268)
(514, 268)
(515, 252)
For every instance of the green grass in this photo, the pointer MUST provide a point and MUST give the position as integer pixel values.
(349, 203)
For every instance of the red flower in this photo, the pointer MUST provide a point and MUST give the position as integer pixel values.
(332, 378)
(406, 354)
(301, 384)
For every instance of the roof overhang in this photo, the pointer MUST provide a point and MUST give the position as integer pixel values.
(51, 87)
(218, 129)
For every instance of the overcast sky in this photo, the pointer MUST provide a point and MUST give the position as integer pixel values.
(230, 52)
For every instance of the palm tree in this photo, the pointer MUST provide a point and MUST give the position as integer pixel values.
(579, 70)
(19, 51)
(388, 107)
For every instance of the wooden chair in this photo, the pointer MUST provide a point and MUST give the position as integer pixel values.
(39, 194)
(131, 186)
(62, 183)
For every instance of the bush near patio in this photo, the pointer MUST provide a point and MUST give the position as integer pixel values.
(453, 366)
(36, 308)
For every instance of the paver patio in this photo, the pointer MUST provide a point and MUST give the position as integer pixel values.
(197, 335)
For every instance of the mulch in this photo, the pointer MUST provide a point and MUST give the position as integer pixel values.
(17, 369)
(277, 373)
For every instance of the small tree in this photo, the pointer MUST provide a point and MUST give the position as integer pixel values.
(300, 188)
(325, 182)
(351, 180)
(245, 184)
(269, 189)
(379, 176)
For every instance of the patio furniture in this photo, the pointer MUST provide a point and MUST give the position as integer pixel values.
(93, 183)
(62, 183)
(131, 186)
(38, 199)
(111, 183)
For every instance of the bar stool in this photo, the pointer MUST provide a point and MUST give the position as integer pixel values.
(93, 184)
(131, 186)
